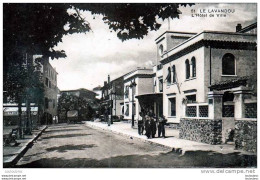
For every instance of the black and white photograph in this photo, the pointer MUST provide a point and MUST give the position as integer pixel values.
(147, 85)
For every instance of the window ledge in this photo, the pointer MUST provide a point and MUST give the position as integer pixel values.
(223, 75)
(190, 79)
(168, 85)
(171, 116)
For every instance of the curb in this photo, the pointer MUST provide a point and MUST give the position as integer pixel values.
(14, 159)
(177, 150)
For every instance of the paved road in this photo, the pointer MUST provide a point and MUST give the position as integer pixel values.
(77, 146)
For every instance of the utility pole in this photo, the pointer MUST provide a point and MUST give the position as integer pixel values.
(109, 101)
(133, 84)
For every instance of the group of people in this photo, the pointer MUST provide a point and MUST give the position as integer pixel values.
(150, 123)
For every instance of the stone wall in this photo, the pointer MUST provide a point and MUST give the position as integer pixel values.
(201, 130)
(246, 135)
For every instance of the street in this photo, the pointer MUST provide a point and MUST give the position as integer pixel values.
(78, 146)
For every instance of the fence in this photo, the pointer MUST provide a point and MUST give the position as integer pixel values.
(228, 111)
(250, 110)
(197, 110)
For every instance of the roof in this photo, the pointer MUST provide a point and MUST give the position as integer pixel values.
(150, 94)
(248, 28)
(150, 97)
(97, 88)
(229, 84)
(177, 32)
(142, 71)
(215, 39)
(80, 89)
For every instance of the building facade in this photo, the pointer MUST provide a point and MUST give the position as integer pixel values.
(112, 97)
(209, 81)
(200, 61)
(50, 90)
(136, 83)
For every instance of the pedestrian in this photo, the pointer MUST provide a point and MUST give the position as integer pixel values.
(161, 126)
(147, 126)
(140, 123)
(153, 125)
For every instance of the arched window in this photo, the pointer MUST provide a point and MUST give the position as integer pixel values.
(161, 49)
(228, 64)
(187, 65)
(193, 64)
(173, 74)
(126, 91)
(169, 77)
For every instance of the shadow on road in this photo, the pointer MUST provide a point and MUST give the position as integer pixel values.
(62, 130)
(69, 147)
(65, 136)
(196, 159)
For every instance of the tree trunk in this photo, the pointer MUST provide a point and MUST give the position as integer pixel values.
(20, 118)
(28, 117)
(66, 116)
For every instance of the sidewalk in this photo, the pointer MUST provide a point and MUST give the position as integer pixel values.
(171, 141)
(12, 154)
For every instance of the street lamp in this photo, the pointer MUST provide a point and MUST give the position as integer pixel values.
(133, 85)
(112, 103)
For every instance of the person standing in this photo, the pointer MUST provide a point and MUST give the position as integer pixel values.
(140, 123)
(147, 126)
(153, 125)
(161, 126)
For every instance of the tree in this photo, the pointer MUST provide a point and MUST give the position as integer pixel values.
(23, 82)
(71, 102)
(38, 28)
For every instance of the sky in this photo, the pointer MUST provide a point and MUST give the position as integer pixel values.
(92, 56)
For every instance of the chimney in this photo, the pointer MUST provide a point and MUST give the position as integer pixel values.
(108, 79)
(238, 27)
(105, 83)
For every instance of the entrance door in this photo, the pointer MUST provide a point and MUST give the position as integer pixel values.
(228, 120)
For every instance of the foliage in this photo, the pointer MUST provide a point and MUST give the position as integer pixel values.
(38, 27)
(133, 20)
(24, 81)
(71, 102)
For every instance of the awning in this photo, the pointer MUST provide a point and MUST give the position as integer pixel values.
(146, 101)
(13, 111)
(150, 96)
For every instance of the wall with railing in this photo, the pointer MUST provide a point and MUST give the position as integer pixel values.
(197, 126)
(197, 110)
(212, 122)
(251, 110)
